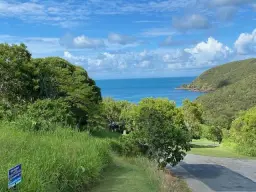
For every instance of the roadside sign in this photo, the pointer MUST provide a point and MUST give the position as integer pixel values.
(14, 176)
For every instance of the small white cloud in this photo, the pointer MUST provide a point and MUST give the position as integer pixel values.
(81, 42)
(194, 21)
(116, 38)
(86, 42)
(246, 43)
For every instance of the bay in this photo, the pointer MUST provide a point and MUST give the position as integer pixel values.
(134, 90)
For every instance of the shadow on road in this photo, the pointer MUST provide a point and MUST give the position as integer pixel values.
(219, 178)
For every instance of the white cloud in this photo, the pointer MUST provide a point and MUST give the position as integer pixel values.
(120, 39)
(194, 21)
(86, 42)
(246, 43)
(209, 52)
(81, 42)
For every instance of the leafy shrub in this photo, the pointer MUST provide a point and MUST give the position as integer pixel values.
(193, 118)
(54, 111)
(159, 132)
(243, 133)
(212, 133)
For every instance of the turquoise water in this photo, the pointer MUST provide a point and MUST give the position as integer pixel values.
(134, 90)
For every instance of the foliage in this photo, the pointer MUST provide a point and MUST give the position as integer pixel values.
(14, 71)
(233, 90)
(54, 111)
(159, 132)
(243, 133)
(224, 75)
(25, 80)
(116, 114)
(212, 133)
(193, 118)
(60, 160)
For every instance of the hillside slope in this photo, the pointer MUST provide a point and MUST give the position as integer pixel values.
(223, 75)
(233, 89)
(221, 106)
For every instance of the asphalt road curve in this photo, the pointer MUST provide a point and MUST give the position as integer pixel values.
(208, 174)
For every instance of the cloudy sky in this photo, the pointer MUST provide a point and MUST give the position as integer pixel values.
(134, 38)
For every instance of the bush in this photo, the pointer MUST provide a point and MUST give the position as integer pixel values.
(54, 111)
(60, 160)
(213, 133)
(159, 132)
(243, 133)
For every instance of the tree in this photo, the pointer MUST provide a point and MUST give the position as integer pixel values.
(193, 117)
(14, 71)
(160, 127)
(26, 80)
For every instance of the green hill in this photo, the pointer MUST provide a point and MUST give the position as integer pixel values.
(223, 75)
(233, 89)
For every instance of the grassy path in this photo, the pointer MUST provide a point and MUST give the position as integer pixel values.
(126, 176)
(138, 175)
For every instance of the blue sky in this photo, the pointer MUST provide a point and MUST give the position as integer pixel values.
(134, 38)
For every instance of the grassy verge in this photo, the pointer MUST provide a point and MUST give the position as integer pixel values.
(63, 160)
(209, 148)
(137, 174)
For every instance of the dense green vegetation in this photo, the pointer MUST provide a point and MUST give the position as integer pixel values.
(158, 129)
(51, 113)
(223, 75)
(54, 122)
(227, 108)
(233, 90)
(243, 133)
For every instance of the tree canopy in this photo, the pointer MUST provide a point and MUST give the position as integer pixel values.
(26, 80)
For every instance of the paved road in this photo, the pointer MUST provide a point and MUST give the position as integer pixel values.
(208, 174)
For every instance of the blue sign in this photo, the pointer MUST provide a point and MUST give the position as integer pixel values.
(14, 176)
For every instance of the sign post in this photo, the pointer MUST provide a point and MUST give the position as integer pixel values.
(14, 176)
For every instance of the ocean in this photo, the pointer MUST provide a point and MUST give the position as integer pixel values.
(134, 90)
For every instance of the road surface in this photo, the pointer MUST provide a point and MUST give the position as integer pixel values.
(208, 174)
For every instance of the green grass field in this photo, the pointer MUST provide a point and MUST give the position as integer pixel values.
(209, 148)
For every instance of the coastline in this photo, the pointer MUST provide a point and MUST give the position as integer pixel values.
(193, 90)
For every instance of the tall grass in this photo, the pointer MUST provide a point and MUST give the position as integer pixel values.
(60, 160)
(163, 181)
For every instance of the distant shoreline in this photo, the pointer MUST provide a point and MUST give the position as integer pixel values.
(193, 89)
